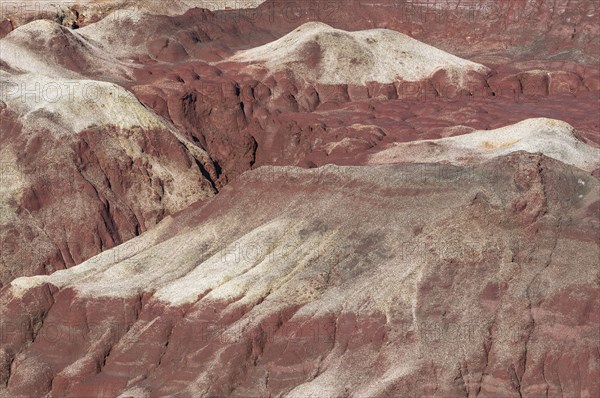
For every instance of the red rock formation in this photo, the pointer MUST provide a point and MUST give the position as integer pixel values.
(68, 196)
(472, 274)
(6, 27)
(459, 307)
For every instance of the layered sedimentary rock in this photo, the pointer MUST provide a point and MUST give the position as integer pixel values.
(85, 166)
(379, 281)
(281, 103)
(439, 239)
(230, 119)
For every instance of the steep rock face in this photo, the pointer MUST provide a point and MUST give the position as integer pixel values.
(246, 121)
(450, 278)
(486, 285)
(229, 121)
(271, 105)
(275, 117)
(6, 27)
(85, 166)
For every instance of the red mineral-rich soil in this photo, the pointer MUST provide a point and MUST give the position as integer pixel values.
(325, 199)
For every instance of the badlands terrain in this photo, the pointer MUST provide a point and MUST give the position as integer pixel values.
(308, 199)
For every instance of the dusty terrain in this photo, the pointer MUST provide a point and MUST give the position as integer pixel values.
(304, 199)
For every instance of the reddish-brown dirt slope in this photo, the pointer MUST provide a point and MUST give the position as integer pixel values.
(379, 281)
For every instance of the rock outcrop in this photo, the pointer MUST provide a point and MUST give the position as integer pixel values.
(424, 279)
(85, 166)
(552, 138)
(318, 53)
(48, 48)
(305, 199)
